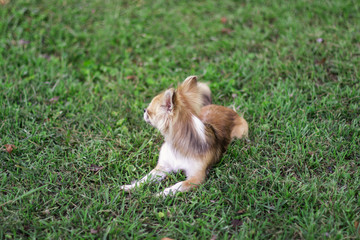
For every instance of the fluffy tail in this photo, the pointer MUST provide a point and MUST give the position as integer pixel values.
(240, 129)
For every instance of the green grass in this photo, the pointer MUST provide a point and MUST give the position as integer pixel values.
(298, 176)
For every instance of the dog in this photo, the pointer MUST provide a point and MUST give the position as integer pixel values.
(196, 133)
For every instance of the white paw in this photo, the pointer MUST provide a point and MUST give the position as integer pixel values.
(170, 190)
(127, 188)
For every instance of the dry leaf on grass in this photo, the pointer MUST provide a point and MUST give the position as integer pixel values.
(320, 62)
(226, 31)
(236, 222)
(242, 211)
(356, 225)
(131, 77)
(223, 20)
(9, 147)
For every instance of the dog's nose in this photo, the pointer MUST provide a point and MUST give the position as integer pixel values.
(144, 110)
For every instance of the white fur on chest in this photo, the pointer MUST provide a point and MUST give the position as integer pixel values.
(173, 161)
(199, 127)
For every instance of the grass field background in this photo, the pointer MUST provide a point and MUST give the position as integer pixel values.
(76, 75)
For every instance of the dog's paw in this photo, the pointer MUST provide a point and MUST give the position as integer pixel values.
(170, 190)
(126, 188)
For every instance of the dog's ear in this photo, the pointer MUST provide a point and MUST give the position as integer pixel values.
(169, 99)
(189, 83)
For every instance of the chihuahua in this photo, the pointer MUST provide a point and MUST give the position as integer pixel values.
(196, 133)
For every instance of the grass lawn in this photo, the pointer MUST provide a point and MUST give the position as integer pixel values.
(75, 76)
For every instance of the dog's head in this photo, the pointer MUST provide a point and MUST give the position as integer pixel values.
(161, 110)
(173, 104)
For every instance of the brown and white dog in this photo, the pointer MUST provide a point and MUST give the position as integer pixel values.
(196, 133)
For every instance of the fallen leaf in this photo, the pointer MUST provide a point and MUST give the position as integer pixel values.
(9, 147)
(131, 77)
(166, 238)
(94, 231)
(54, 99)
(235, 223)
(320, 62)
(95, 168)
(356, 224)
(242, 211)
(223, 20)
(226, 31)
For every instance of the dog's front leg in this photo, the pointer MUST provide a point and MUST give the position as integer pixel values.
(184, 186)
(157, 174)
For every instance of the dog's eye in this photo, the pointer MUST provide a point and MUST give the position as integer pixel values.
(144, 110)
